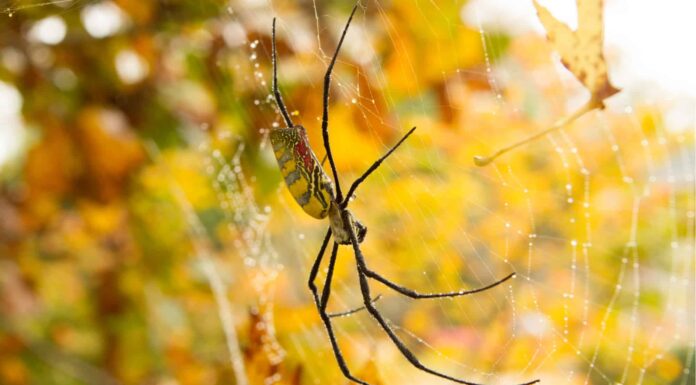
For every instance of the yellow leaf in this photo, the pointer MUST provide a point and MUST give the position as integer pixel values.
(370, 373)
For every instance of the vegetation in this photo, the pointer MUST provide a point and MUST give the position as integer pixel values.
(146, 235)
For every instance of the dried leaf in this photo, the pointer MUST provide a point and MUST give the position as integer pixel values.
(581, 53)
(582, 50)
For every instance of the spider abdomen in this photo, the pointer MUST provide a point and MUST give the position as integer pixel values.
(306, 179)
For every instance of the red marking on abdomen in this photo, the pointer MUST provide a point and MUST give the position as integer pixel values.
(304, 152)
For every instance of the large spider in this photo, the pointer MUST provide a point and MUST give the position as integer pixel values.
(313, 190)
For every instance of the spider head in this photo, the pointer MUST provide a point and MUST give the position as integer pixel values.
(360, 230)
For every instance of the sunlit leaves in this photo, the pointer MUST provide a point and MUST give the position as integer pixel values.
(427, 45)
(111, 150)
(371, 373)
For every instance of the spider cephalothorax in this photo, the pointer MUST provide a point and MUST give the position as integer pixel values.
(340, 229)
(314, 191)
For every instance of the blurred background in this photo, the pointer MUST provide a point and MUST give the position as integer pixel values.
(146, 236)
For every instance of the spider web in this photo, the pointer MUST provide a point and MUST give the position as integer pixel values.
(597, 220)
(581, 293)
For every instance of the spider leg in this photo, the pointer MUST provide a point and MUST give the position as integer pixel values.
(321, 305)
(372, 168)
(276, 92)
(365, 289)
(325, 114)
(317, 263)
(353, 311)
(326, 291)
(416, 295)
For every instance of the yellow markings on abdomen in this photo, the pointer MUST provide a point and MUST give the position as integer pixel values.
(302, 171)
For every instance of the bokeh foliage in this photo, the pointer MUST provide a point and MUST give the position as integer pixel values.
(124, 188)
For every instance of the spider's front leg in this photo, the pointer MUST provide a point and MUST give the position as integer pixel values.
(376, 276)
(325, 105)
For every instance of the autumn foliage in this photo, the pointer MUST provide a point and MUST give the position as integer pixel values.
(146, 236)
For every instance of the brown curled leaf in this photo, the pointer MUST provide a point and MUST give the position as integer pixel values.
(582, 50)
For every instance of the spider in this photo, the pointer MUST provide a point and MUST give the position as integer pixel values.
(314, 191)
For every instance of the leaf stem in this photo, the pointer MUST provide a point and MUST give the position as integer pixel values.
(589, 106)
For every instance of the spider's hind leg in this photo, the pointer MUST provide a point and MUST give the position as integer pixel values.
(326, 319)
(322, 301)
(369, 305)
(416, 295)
